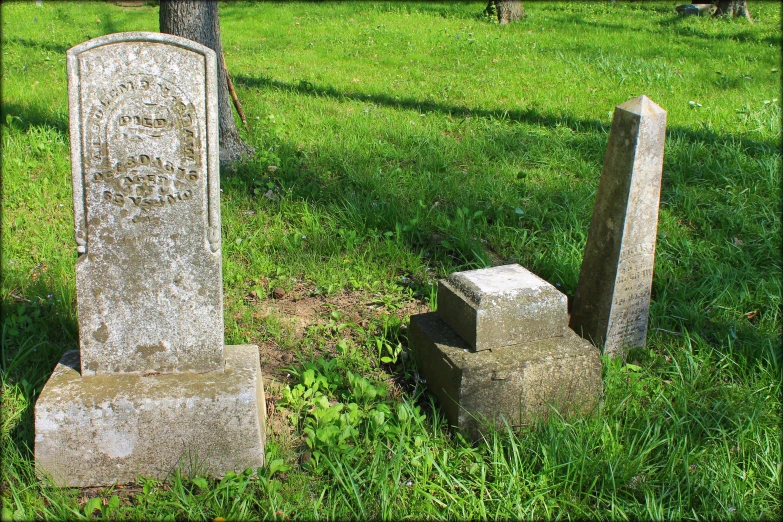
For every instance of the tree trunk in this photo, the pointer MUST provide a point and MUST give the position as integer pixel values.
(199, 21)
(732, 8)
(509, 11)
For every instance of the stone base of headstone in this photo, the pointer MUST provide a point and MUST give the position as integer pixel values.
(111, 429)
(514, 385)
(528, 364)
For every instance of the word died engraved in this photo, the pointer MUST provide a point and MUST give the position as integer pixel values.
(148, 124)
(138, 108)
(632, 283)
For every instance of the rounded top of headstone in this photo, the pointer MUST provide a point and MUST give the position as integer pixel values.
(641, 105)
(141, 36)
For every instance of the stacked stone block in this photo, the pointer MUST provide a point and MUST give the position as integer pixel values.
(498, 351)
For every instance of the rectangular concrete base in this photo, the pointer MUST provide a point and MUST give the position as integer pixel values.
(516, 383)
(106, 429)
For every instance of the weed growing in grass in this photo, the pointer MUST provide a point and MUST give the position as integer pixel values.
(396, 143)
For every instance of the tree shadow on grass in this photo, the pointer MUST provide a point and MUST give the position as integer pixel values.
(690, 31)
(36, 330)
(530, 116)
(37, 44)
(26, 116)
(587, 146)
(430, 200)
(378, 210)
(382, 210)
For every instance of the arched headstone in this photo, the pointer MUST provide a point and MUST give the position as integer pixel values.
(152, 387)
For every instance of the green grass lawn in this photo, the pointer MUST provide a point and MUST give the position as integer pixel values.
(399, 142)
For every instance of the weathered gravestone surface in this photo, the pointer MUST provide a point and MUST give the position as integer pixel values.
(152, 387)
(498, 307)
(498, 351)
(612, 299)
(146, 202)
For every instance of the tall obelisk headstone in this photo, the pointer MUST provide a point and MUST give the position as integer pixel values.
(153, 388)
(612, 299)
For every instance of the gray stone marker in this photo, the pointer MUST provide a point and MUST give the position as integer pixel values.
(612, 299)
(528, 360)
(146, 204)
(152, 388)
(497, 307)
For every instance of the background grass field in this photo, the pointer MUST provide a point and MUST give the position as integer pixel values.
(396, 143)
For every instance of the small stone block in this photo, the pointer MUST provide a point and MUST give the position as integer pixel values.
(501, 306)
(507, 385)
(107, 429)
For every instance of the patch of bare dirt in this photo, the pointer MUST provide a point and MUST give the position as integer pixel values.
(301, 309)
